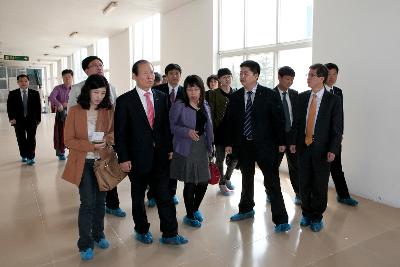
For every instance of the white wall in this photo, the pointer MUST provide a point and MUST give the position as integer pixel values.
(187, 38)
(363, 38)
(120, 61)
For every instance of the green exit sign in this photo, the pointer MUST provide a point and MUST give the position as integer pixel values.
(19, 58)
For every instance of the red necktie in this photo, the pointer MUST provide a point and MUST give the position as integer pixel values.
(150, 109)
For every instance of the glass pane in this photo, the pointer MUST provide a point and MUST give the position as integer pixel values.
(261, 22)
(156, 37)
(231, 24)
(103, 52)
(3, 84)
(138, 46)
(3, 73)
(299, 60)
(266, 61)
(233, 63)
(157, 68)
(295, 20)
(148, 39)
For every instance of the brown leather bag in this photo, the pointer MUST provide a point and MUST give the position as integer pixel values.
(107, 170)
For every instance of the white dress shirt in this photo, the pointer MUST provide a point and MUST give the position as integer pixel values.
(170, 87)
(252, 95)
(142, 97)
(288, 102)
(22, 93)
(319, 94)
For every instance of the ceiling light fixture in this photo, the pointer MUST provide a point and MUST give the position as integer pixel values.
(45, 54)
(73, 34)
(110, 7)
(56, 46)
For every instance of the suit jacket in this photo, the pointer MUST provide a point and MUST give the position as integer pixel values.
(337, 91)
(183, 119)
(328, 128)
(15, 107)
(218, 104)
(76, 91)
(165, 89)
(135, 140)
(76, 139)
(290, 137)
(268, 122)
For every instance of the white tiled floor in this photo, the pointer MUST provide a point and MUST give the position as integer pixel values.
(38, 224)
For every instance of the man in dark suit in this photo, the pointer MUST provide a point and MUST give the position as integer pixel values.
(289, 103)
(144, 146)
(24, 113)
(254, 133)
(174, 91)
(319, 134)
(343, 195)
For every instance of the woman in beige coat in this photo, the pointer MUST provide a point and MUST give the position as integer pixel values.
(88, 128)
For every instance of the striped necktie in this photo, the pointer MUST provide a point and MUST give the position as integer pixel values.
(248, 124)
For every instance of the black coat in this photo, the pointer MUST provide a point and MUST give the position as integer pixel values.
(165, 89)
(290, 137)
(328, 128)
(135, 140)
(268, 122)
(15, 108)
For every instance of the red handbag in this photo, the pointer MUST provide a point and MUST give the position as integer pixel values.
(214, 172)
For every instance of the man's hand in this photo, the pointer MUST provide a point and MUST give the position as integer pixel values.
(126, 166)
(65, 104)
(282, 149)
(60, 108)
(194, 135)
(292, 149)
(228, 150)
(170, 155)
(13, 122)
(331, 156)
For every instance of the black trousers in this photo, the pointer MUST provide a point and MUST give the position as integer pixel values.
(338, 177)
(291, 159)
(25, 130)
(112, 200)
(193, 195)
(247, 159)
(158, 179)
(172, 188)
(314, 177)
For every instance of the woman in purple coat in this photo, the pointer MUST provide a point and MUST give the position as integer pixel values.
(191, 127)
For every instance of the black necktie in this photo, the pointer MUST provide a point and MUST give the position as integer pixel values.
(286, 111)
(25, 102)
(248, 127)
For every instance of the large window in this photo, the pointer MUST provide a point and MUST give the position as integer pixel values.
(147, 40)
(103, 52)
(77, 57)
(272, 32)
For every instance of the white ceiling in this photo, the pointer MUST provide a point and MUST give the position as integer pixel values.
(31, 28)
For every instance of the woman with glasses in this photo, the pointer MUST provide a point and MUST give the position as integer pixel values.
(191, 127)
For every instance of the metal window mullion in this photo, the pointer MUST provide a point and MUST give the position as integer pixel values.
(277, 39)
(244, 24)
(219, 33)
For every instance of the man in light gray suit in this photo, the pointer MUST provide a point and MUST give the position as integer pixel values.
(94, 65)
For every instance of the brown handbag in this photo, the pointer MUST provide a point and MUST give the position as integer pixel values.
(107, 170)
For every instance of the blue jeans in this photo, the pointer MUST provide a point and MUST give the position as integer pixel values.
(91, 210)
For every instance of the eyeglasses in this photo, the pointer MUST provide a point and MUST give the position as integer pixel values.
(311, 75)
(96, 65)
